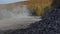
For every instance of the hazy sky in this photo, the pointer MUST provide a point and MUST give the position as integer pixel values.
(9, 1)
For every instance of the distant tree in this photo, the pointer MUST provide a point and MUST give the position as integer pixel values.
(56, 3)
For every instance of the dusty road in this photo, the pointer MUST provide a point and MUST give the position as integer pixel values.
(17, 22)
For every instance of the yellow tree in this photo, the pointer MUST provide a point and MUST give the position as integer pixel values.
(39, 5)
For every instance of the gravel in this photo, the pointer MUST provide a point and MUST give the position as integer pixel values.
(50, 24)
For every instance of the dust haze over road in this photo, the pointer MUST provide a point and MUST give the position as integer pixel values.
(16, 19)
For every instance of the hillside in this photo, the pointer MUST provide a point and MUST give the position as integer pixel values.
(38, 5)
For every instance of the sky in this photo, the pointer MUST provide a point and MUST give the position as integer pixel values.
(9, 1)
